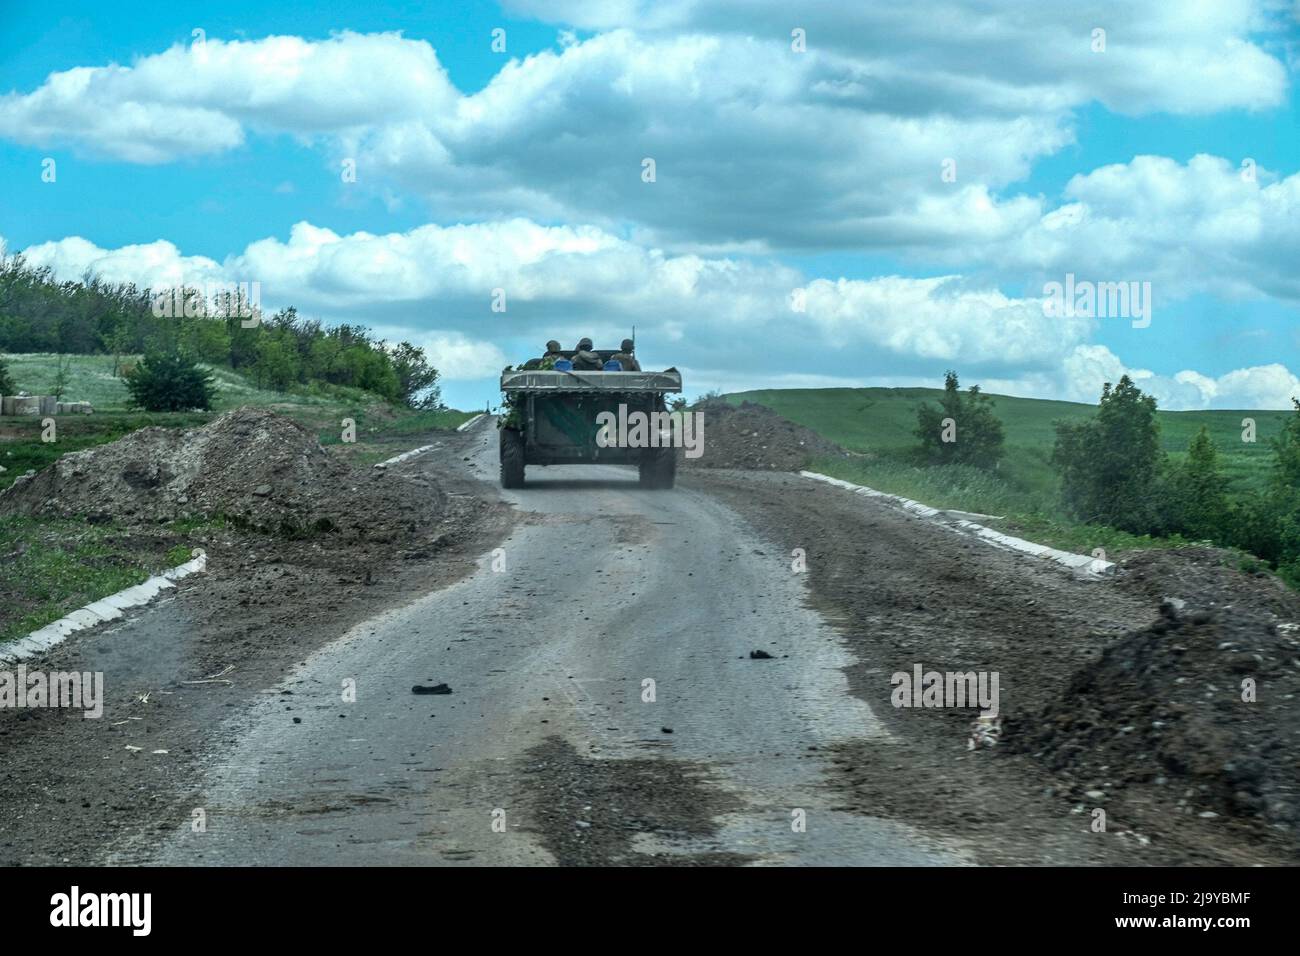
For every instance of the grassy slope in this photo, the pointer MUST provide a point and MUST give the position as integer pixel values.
(93, 381)
(878, 423)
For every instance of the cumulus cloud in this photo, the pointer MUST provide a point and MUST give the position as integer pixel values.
(1205, 225)
(158, 265)
(756, 146)
(1012, 56)
(198, 99)
(729, 320)
(1089, 367)
(455, 274)
(459, 358)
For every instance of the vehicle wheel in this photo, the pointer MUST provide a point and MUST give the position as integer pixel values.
(659, 469)
(512, 458)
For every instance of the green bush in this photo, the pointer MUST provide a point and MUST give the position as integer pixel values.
(963, 430)
(1192, 497)
(172, 382)
(1111, 465)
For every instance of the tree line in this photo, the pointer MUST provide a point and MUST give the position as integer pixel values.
(39, 313)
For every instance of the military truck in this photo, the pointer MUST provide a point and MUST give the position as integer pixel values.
(550, 418)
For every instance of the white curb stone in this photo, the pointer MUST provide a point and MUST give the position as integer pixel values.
(1080, 562)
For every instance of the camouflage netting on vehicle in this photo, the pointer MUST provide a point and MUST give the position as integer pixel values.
(752, 436)
(251, 466)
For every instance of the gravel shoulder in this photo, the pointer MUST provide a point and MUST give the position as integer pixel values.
(1079, 670)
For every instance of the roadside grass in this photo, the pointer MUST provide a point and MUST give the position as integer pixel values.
(52, 566)
(876, 424)
(386, 423)
(1079, 538)
(958, 487)
(385, 432)
(880, 421)
(1013, 510)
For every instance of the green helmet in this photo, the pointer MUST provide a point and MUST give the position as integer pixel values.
(584, 345)
(627, 345)
(552, 346)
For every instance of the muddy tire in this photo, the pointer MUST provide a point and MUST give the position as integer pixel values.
(512, 458)
(658, 469)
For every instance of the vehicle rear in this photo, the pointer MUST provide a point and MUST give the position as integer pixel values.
(557, 418)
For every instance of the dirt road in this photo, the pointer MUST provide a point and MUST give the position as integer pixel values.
(576, 686)
(547, 650)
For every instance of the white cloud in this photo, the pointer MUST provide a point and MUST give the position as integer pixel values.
(756, 146)
(159, 264)
(1014, 56)
(1262, 386)
(583, 276)
(1199, 226)
(203, 98)
(459, 358)
(731, 319)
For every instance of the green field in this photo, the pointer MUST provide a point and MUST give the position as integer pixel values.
(876, 424)
(92, 380)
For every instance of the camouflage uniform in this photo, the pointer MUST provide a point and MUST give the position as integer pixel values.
(585, 360)
(625, 357)
(547, 361)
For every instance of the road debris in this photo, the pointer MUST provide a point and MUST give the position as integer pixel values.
(434, 689)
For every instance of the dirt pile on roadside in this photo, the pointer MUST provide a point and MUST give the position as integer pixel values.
(252, 466)
(752, 436)
(1160, 716)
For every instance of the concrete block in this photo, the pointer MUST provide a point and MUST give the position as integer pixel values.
(26, 405)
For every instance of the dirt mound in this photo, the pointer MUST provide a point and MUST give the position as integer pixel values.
(1162, 710)
(252, 466)
(752, 436)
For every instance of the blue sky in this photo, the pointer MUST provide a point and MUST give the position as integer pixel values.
(814, 172)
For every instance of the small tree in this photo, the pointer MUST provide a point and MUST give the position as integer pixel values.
(963, 430)
(1286, 449)
(170, 382)
(418, 379)
(62, 376)
(7, 386)
(277, 362)
(1285, 497)
(1197, 494)
(119, 343)
(1110, 464)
